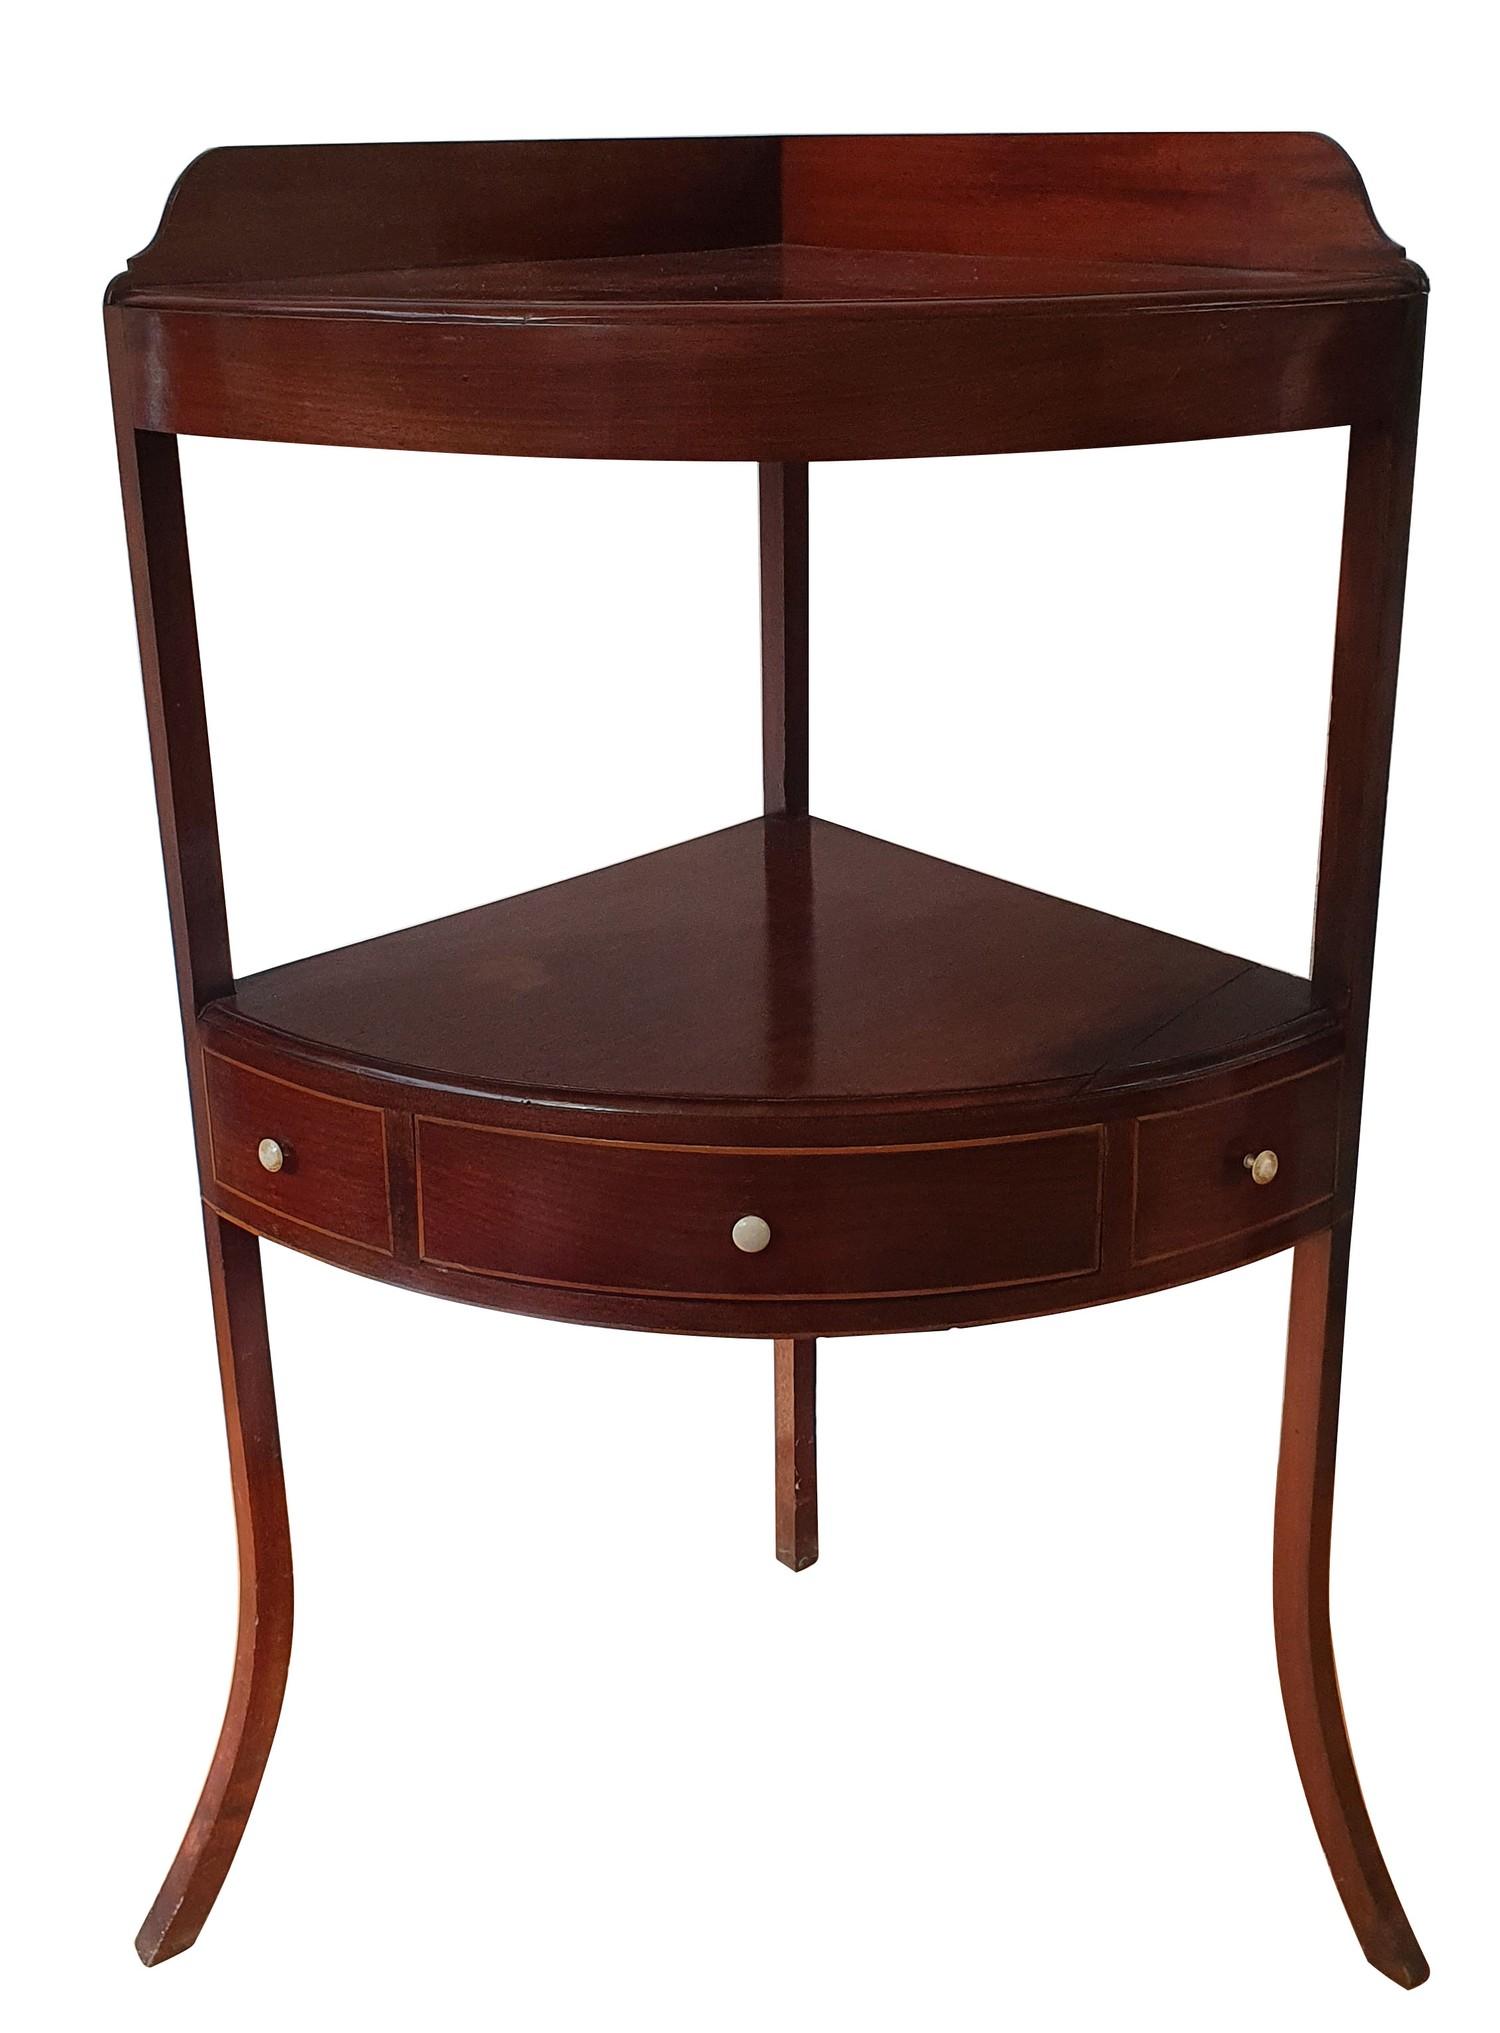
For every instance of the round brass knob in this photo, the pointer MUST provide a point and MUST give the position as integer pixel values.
(1263, 1167)
(750, 1233)
(271, 1155)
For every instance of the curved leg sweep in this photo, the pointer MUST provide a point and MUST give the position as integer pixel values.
(265, 1619)
(1304, 1642)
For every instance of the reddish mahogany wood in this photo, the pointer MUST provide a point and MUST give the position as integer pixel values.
(1268, 205)
(780, 301)
(1252, 1059)
(813, 1317)
(1304, 1640)
(777, 965)
(241, 213)
(784, 765)
(264, 1642)
(618, 1217)
(1372, 581)
(333, 1175)
(1367, 648)
(796, 1370)
(862, 382)
(177, 724)
(1252, 1005)
(706, 283)
(1273, 203)
(552, 1211)
(1192, 1185)
(761, 960)
(783, 627)
(919, 1074)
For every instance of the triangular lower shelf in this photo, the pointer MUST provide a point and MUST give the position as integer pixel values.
(781, 960)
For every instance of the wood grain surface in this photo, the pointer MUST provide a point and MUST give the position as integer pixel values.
(952, 1100)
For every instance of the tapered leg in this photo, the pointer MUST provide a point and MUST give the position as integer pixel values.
(1304, 1642)
(265, 1622)
(796, 1453)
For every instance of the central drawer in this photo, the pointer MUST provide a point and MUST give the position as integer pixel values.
(851, 1223)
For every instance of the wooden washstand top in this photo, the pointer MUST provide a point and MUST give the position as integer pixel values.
(764, 298)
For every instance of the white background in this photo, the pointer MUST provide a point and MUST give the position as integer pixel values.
(564, 1748)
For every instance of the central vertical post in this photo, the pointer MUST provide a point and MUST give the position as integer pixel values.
(796, 1453)
(783, 639)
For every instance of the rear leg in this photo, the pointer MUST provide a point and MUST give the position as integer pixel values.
(796, 1453)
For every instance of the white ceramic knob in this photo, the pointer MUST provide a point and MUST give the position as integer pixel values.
(271, 1155)
(1263, 1167)
(750, 1233)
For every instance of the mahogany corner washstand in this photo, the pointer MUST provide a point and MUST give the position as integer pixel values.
(786, 1080)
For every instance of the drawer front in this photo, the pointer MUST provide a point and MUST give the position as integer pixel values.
(627, 1218)
(332, 1175)
(1192, 1185)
